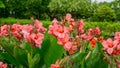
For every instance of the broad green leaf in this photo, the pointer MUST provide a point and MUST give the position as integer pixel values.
(54, 52)
(21, 56)
(7, 45)
(26, 46)
(9, 59)
(44, 49)
(96, 58)
(78, 57)
(32, 61)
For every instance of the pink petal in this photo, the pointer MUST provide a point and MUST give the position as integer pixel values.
(67, 46)
(74, 48)
(104, 43)
(110, 50)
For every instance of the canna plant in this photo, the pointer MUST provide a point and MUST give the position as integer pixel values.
(27, 46)
(83, 49)
(65, 45)
(20, 43)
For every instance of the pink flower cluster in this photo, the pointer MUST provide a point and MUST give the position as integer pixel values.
(31, 33)
(3, 65)
(112, 47)
(4, 30)
(62, 32)
(69, 33)
(56, 65)
(92, 32)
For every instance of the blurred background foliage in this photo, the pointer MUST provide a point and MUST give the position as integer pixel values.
(49, 9)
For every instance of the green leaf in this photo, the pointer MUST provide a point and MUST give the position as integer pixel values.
(96, 58)
(78, 57)
(7, 45)
(36, 59)
(54, 52)
(26, 46)
(2, 4)
(9, 59)
(21, 56)
(30, 62)
(83, 64)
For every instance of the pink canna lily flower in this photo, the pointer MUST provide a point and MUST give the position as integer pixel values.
(26, 30)
(72, 22)
(54, 22)
(64, 40)
(68, 46)
(68, 17)
(58, 30)
(109, 45)
(117, 36)
(97, 30)
(37, 39)
(53, 28)
(81, 24)
(86, 37)
(39, 26)
(90, 31)
(4, 30)
(16, 27)
(54, 66)
(2, 65)
(60, 33)
(74, 48)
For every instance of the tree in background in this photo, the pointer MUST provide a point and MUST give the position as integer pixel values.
(2, 4)
(49, 9)
(104, 13)
(115, 5)
(26, 8)
(78, 8)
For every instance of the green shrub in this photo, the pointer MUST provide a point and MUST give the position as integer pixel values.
(104, 13)
(21, 21)
(107, 28)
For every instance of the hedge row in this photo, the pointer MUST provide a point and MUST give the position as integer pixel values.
(21, 21)
(108, 28)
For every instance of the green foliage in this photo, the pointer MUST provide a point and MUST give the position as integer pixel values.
(118, 14)
(88, 59)
(107, 28)
(25, 9)
(2, 4)
(96, 58)
(13, 20)
(21, 54)
(104, 13)
(55, 51)
(78, 8)
(10, 20)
